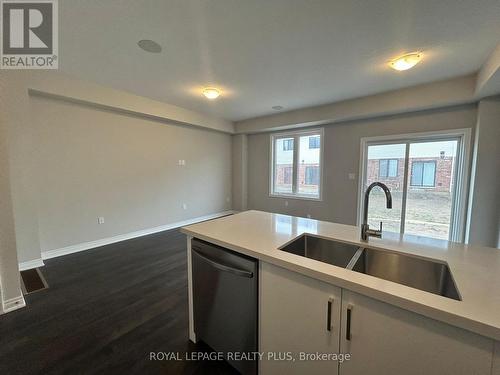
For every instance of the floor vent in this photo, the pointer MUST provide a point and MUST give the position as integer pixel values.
(32, 281)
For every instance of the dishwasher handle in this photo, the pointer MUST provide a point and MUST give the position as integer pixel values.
(223, 267)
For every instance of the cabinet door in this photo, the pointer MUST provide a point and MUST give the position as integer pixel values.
(391, 341)
(294, 318)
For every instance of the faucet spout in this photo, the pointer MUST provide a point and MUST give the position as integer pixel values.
(365, 228)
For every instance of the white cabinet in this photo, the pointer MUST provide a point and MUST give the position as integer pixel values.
(297, 314)
(391, 341)
(384, 339)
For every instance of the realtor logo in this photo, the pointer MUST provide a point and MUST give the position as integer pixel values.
(29, 34)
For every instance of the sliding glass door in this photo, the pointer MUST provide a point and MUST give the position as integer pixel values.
(425, 175)
(431, 188)
(386, 163)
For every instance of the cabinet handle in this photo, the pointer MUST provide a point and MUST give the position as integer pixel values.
(329, 315)
(348, 323)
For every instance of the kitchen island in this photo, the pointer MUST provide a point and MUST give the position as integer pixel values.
(306, 305)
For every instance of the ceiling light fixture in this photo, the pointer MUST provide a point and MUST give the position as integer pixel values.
(149, 46)
(211, 93)
(406, 62)
(277, 107)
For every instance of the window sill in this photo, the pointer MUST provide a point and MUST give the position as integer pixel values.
(296, 196)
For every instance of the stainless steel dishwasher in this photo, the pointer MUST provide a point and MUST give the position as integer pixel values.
(225, 297)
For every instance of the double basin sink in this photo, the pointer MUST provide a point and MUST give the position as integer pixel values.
(424, 274)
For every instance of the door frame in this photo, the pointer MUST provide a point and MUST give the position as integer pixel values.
(459, 204)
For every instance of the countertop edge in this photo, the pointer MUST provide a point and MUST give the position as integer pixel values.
(455, 320)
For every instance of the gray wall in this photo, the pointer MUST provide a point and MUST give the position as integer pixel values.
(485, 198)
(70, 163)
(9, 275)
(341, 157)
(63, 164)
(240, 172)
(22, 157)
(92, 163)
(434, 95)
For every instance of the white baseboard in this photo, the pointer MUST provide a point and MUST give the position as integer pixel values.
(23, 266)
(13, 304)
(127, 236)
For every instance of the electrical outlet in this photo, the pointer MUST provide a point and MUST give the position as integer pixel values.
(286, 203)
(228, 199)
(352, 176)
(184, 206)
(308, 216)
(100, 220)
(181, 162)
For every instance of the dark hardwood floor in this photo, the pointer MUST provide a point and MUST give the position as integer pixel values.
(105, 310)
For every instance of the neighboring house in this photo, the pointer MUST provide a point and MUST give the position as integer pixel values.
(309, 171)
(429, 173)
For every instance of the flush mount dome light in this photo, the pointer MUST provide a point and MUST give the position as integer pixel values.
(406, 62)
(211, 93)
(277, 107)
(149, 45)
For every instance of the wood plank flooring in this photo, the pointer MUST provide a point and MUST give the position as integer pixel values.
(105, 311)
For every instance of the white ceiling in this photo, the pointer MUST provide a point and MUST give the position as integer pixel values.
(263, 53)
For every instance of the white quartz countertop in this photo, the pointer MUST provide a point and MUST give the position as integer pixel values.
(476, 270)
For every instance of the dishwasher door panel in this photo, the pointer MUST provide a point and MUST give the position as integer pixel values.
(225, 297)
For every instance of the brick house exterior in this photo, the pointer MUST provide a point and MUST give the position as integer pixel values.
(442, 177)
(442, 180)
(284, 173)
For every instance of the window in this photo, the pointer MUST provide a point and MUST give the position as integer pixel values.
(314, 142)
(388, 168)
(287, 175)
(296, 164)
(288, 144)
(283, 166)
(423, 173)
(312, 176)
(426, 174)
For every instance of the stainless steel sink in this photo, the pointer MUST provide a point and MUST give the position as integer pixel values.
(327, 251)
(428, 275)
(424, 274)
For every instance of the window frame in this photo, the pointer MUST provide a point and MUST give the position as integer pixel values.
(459, 223)
(295, 166)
